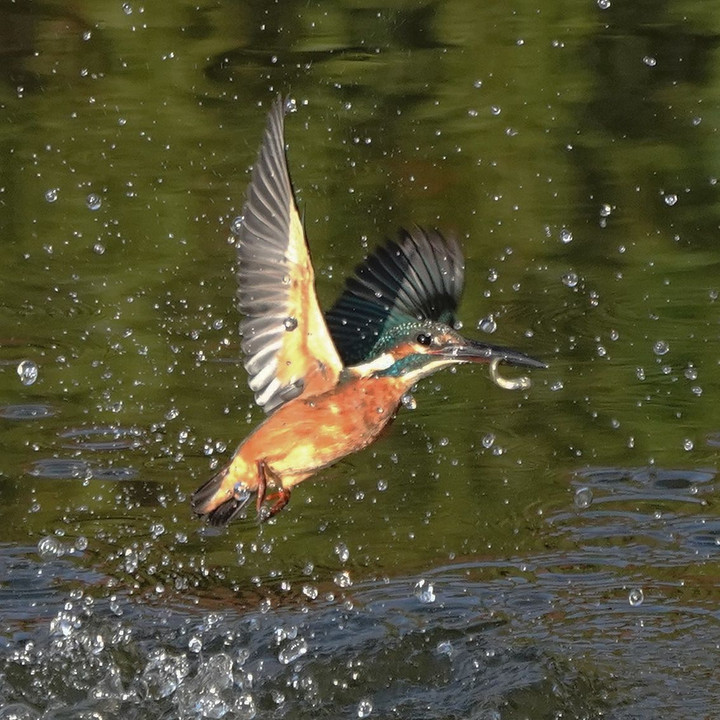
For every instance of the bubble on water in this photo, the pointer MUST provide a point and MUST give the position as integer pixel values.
(640, 373)
(194, 644)
(27, 371)
(93, 201)
(51, 195)
(293, 651)
(236, 225)
(487, 324)
(688, 444)
(290, 323)
(488, 440)
(636, 597)
(341, 550)
(670, 199)
(99, 248)
(382, 485)
(691, 373)
(290, 105)
(49, 547)
(583, 498)
(424, 592)
(605, 210)
(495, 110)
(127, 8)
(343, 579)
(364, 708)
(81, 543)
(661, 348)
(570, 279)
(566, 236)
(650, 61)
(409, 401)
(557, 385)
(603, 4)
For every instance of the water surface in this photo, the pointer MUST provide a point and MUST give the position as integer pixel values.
(498, 555)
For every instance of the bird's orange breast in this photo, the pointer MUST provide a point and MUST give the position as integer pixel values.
(307, 434)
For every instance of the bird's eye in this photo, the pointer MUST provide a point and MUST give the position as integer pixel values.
(424, 339)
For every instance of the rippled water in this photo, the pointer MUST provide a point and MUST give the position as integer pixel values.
(498, 555)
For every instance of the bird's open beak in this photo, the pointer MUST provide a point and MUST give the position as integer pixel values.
(479, 352)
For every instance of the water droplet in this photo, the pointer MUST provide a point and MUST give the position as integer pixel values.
(688, 444)
(409, 401)
(603, 4)
(99, 248)
(49, 547)
(290, 323)
(127, 8)
(364, 708)
(488, 440)
(293, 651)
(495, 110)
(570, 279)
(51, 195)
(558, 385)
(583, 498)
(444, 647)
(670, 199)
(605, 210)
(636, 597)
(650, 61)
(341, 550)
(290, 105)
(382, 485)
(93, 201)
(566, 236)
(310, 591)
(343, 579)
(27, 371)
(236, 225)
(487, 324)
(661, 348)
(424, 592)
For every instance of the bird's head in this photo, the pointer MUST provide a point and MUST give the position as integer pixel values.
(414, 350)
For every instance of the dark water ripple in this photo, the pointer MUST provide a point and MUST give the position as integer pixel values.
(454, 645)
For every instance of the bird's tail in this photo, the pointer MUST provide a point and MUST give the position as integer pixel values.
(222, 497)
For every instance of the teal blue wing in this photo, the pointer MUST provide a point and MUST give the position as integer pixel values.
(417, 277)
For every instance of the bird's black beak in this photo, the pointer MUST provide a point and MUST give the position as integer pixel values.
(479, 352)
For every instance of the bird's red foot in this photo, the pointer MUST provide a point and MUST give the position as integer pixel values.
(283, 498)
(266, 475)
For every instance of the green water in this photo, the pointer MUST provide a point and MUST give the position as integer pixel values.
(498, 554)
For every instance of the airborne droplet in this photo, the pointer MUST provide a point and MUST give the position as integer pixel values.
(290, 323)
(236, 225)
(93, 201)
(27, 371)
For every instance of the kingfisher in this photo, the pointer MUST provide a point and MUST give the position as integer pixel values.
(330, 383)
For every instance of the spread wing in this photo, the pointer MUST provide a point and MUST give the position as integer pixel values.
(418, 277)
(288, 349)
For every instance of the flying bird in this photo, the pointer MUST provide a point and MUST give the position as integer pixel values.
(330, 383)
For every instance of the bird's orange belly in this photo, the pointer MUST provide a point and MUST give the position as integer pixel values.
(308, 434)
